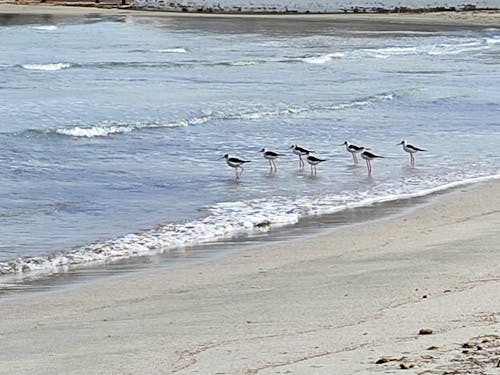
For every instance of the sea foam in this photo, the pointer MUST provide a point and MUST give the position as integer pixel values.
(46, 67)
(45, 27)
(225, 220)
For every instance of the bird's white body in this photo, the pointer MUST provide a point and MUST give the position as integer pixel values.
(269, 155)
(313, 160)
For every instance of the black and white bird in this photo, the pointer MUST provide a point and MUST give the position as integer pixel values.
(353, 149)
(300, 151)
(313, 161)
(368, 156)
(235, 163)
(411, 150)
(270, 156)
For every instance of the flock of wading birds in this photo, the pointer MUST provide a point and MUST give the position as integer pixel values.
(313, 161)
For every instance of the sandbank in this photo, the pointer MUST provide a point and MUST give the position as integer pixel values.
(332, 303)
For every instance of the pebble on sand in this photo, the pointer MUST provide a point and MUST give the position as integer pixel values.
(425, 331)
(386, 359)
(406, 366)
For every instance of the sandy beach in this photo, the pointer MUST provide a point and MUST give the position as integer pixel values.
(416, 291)
(334, 303)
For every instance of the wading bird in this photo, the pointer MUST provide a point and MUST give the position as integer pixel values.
(270, 156)
(313, 162)
(300, 151)
(353, 149)
(235, 163)
(411, 150)
(368, 156)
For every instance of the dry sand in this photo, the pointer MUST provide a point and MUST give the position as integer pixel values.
(333, 303)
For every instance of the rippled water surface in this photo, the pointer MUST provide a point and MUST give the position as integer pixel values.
(111, 128)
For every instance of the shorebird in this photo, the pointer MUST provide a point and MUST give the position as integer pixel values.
(353, 149)
(235, 163)
(313, 162)
(368, 156)
(270, 156)
(411, 150)
(297, 150)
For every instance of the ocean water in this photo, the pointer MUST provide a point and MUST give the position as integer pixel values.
(112, 129)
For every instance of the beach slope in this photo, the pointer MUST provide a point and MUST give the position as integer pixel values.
(338, 302)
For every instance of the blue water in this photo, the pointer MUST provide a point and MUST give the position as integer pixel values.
(111, 129)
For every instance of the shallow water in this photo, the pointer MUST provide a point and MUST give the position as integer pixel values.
(111, 127)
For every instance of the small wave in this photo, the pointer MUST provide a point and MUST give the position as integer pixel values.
(455, 49)
(493, 40)
(46, 67)
(243, 63)
(225, 220)
(322, 59)
(108, 129)
(384, 53)
(45, 27)
(171, 50)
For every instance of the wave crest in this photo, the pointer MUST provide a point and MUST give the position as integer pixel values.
(111, 128)
(45, 27)
(46, 67)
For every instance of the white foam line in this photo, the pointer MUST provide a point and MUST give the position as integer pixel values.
(240, 217)
(45, 28)
(46, 67)
(422, 193)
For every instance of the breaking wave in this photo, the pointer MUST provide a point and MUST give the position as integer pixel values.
(46, 67)
(45, 27)
(107, 129)
(228, 220)
(112, 128)
(171, 50)
(442, 49)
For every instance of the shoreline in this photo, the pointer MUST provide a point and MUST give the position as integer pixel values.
(483, 18)
(380, 208)
(336, 302)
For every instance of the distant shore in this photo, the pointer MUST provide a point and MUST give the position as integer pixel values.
(417, 291)
(483, 18)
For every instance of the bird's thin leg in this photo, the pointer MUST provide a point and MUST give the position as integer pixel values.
(354, 158)
(241, 171)
(270, 165)
(236, 177)
(412, 160)
(369, 167)
(275, 166)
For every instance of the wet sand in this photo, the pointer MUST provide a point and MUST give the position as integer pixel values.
(334, 302)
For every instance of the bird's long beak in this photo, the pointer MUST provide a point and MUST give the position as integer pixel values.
(220, 158)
